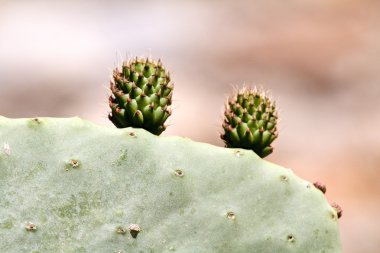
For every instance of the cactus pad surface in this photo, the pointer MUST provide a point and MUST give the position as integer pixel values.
(68, 185)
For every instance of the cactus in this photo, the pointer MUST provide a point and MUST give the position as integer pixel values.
(67, 185)
(141, 95)
(250, 121)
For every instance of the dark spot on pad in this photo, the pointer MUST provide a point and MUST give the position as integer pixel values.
(30, 226)
(179, 173)
(121, 230)
(290, 238)
(231, 215)
(74, 163)
(34, 122)
(134, 230)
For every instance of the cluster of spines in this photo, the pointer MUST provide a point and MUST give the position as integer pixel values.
(250, 121)
(141, 95)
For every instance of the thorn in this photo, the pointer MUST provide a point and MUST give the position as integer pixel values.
(320, 186)
(338, 209)
(119, 93)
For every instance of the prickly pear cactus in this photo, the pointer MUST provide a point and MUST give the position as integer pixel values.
(250, 121)
(67, 185)
(141, 95)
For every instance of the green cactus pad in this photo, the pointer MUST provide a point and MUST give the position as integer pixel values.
(67, 185)
(141, 95)
(250, 121)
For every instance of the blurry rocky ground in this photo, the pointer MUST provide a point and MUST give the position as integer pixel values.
(320, 59)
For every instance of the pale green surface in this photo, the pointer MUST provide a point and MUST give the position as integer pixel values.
(123, 180)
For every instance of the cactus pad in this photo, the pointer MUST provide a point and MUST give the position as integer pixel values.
(250, 121)
(141, 95)
(67, 185)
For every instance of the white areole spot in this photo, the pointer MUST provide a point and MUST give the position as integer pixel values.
(7, 149)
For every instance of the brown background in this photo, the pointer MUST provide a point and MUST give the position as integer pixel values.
(320, 59)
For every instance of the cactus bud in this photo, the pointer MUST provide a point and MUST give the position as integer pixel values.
(137, 88)
(250, 121)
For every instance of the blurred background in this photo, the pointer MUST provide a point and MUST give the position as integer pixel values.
(319, 58)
